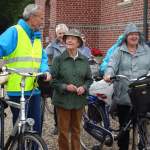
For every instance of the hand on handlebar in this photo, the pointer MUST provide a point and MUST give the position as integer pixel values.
(107, 78)
(48, 77)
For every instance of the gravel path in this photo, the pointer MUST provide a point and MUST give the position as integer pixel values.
(50, 139)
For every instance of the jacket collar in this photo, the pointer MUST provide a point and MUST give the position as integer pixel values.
(140, 48)
(65, 55)
(31, 34)
(26, 27)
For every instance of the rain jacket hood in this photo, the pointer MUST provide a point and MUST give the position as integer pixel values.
(130, 28)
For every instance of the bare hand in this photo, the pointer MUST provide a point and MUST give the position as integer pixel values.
(80, 90)
(71, 88)
(48, 76)
(107, 78)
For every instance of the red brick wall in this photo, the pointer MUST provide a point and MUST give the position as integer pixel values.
(83, 15)
(101, 21)
(46, 24)
(114, 18)
(48, 27)
(78, 12)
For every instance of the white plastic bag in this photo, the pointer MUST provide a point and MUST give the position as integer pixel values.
(102, 88)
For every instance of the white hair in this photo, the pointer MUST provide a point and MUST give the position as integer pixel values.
(30, 10)
(61, 27)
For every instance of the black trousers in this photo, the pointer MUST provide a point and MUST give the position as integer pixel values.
(123, 115)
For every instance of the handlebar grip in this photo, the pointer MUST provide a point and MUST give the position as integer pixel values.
(97, 78)
(113, 78)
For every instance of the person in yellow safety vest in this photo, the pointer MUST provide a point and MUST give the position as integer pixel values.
(21, 48)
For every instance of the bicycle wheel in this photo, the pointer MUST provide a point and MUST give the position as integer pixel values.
(88, 142)
(29, 141)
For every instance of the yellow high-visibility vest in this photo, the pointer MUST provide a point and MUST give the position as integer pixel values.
(25, 58)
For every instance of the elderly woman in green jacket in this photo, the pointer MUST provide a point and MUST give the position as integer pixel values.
(72, 78)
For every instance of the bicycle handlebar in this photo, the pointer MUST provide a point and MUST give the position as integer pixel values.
(140, 81)
(5, 71)
(115, 77)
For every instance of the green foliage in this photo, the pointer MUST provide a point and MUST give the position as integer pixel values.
(11, 10)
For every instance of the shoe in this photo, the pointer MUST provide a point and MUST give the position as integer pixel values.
(55, 131)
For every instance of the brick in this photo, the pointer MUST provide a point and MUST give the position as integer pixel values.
(102, 21)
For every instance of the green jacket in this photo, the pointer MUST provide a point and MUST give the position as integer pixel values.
(70, 71)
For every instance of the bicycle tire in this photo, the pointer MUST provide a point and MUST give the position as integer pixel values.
(87, 142)
(30, 141)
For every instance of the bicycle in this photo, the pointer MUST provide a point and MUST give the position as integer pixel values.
(96, 122)
(139, 120)
(140, 112)
(22, 135)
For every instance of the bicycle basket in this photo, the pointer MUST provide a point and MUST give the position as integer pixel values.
(140, 98)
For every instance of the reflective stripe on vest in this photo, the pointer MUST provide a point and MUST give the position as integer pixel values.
(25, 58)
